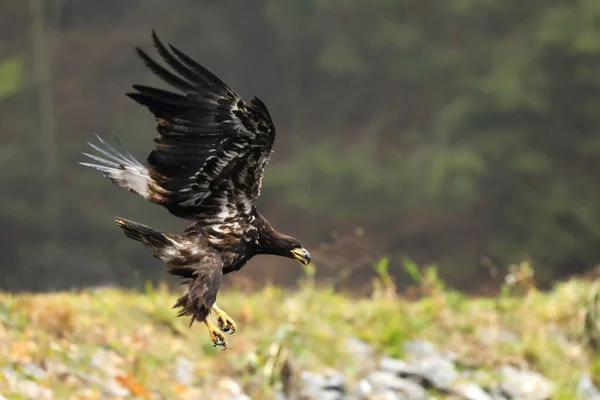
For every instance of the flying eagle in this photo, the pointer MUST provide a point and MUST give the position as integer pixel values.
(206, 166)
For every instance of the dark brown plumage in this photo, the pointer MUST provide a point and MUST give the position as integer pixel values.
(206, 166)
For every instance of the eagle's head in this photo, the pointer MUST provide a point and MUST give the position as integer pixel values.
(270, 241)
(283, 245)
(293, 249)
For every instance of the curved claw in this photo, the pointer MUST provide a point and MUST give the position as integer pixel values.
(217, 337)
(221, 343)
(226, 325)
(224, 321)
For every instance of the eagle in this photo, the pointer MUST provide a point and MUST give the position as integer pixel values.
(206, 166)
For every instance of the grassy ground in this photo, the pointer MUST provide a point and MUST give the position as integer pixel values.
(521, 326)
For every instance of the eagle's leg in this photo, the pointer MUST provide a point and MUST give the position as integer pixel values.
(225, 322)
(217, 337)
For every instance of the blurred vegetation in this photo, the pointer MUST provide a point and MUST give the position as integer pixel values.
(281, 333)
(453, 132)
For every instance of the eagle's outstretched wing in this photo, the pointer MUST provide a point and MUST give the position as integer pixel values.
(208, 160)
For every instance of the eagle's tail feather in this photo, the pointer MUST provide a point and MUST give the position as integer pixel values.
(152, 238)
(120, 167)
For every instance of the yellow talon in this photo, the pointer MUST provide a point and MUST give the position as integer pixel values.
(216, 336)
(225, 322)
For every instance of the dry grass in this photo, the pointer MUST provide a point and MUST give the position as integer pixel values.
(544, 331)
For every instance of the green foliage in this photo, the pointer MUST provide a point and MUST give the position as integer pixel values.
(511, 103)
(339, 56)
(470, 116)
(12, 71)
(384, 285)
(412, 269)
(382, 269)
(427, 278)
(592, 328)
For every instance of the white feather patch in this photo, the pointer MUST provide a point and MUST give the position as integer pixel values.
(122, 169)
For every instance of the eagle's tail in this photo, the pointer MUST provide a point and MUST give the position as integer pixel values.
(156, 241)
(120, 167)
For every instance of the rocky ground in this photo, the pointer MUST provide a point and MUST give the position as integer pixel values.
(425, 373)
(312, 344)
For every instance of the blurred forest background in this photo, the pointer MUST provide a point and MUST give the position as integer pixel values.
(464, 133)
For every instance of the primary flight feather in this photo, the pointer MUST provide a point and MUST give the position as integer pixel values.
(206, 166)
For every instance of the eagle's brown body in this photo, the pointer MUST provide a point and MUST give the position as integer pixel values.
(207, 167)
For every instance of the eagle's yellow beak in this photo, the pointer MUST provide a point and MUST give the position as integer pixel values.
(302, 255)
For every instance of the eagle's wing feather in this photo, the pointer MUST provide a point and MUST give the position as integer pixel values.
(208, 160)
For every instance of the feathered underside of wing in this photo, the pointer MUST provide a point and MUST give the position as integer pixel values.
(212, 147)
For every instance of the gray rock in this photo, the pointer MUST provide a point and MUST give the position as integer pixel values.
(184, 371)
(109, 387)
(10, 375)
(242, 396)
(34, 371)
(278, 395)
(497, 395)
(587, 390)
(383, 381)
(437, 370)
(525, 384)
(56, 368)
(326, 395)
(440, 372)
(106, 361)
(335, 380)
(420, 348)
(25, 387)
(397, 366)
(361, 355)
(386, 395)
(312, 379)
(317, 387)
(363, 389)
(471, 391)
(359, 348)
